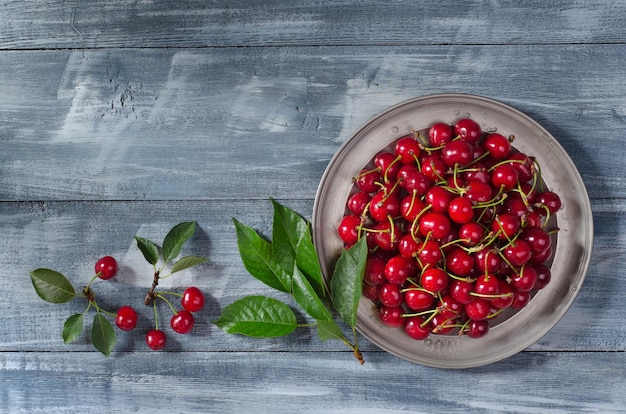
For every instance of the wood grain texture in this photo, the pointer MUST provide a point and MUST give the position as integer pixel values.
(121, 118)
(124, 23)
(163, 124)
(286, 382)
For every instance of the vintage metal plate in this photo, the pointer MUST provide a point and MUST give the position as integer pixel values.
(571, 256)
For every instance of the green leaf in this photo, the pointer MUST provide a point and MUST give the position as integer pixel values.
(187, 262)
(292, 242)
(73, 327)
(304, 294)
(149, 249)
(308, 261)
(347, 281)
(175, 239)
(327, 330)
(102, 334)
(52, 286)
(257, 316)
(258, 258)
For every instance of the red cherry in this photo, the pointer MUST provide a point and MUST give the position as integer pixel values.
(525, 280)
(486, 285)
(106, 267)
(543, 275)
(439, 134)
(411, 207)
(525, 168)
(462, 291)
(384, 205)
(416, 328)
(517, 253)
(478, 172)
(429, 253)
(478, 309)
(468, 130)
(497, 145)
(460, 210)
(397, 270)
(357, 203)
(438, 198)
(538, 239)
(478, 191)
(435, 224)
(391, 316)
(389, 295)
(389, 164)
(385, 236)
(417, 182)
(433, 167)
(487, 261)
(449, 307)
(506, 225)
(156, 339)
(408, 246)
(348, 229)
(374, 271)
(551, 200)
(434, 279)
(541, 257)
(505, 296)
(126, 318)
(193, 299)
(182, 322)
(459, 261)
(458, 152)
(408, 149)
(520, 299)
(477, 328)
(404, 172)
(417, 299)
(370, 291)
(471, 234)
(504, 176)
(367, 180)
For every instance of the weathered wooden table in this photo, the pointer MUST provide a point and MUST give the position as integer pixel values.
(123, 118)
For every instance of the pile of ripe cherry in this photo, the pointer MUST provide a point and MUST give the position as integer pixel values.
(458, 229)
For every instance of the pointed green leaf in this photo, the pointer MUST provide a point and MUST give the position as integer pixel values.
(292, 242)
(308, 262)
(258, 258)
(175, 239)
(257, 316)
(52, 286)
(149, 249)
(102, 335)
(305, 296)
(287, 230)
(187, 262)
(72, 327)
(327, 330)
(347, 281)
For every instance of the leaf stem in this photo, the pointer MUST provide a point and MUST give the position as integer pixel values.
(151, 295)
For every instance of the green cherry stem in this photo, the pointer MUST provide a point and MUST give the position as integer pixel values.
(156, 315)
(87, 287)
(164, 299)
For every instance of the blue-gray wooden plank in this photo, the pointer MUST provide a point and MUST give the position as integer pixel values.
(287, 382)
(124, 23)
(71, 236)
(177, 124)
